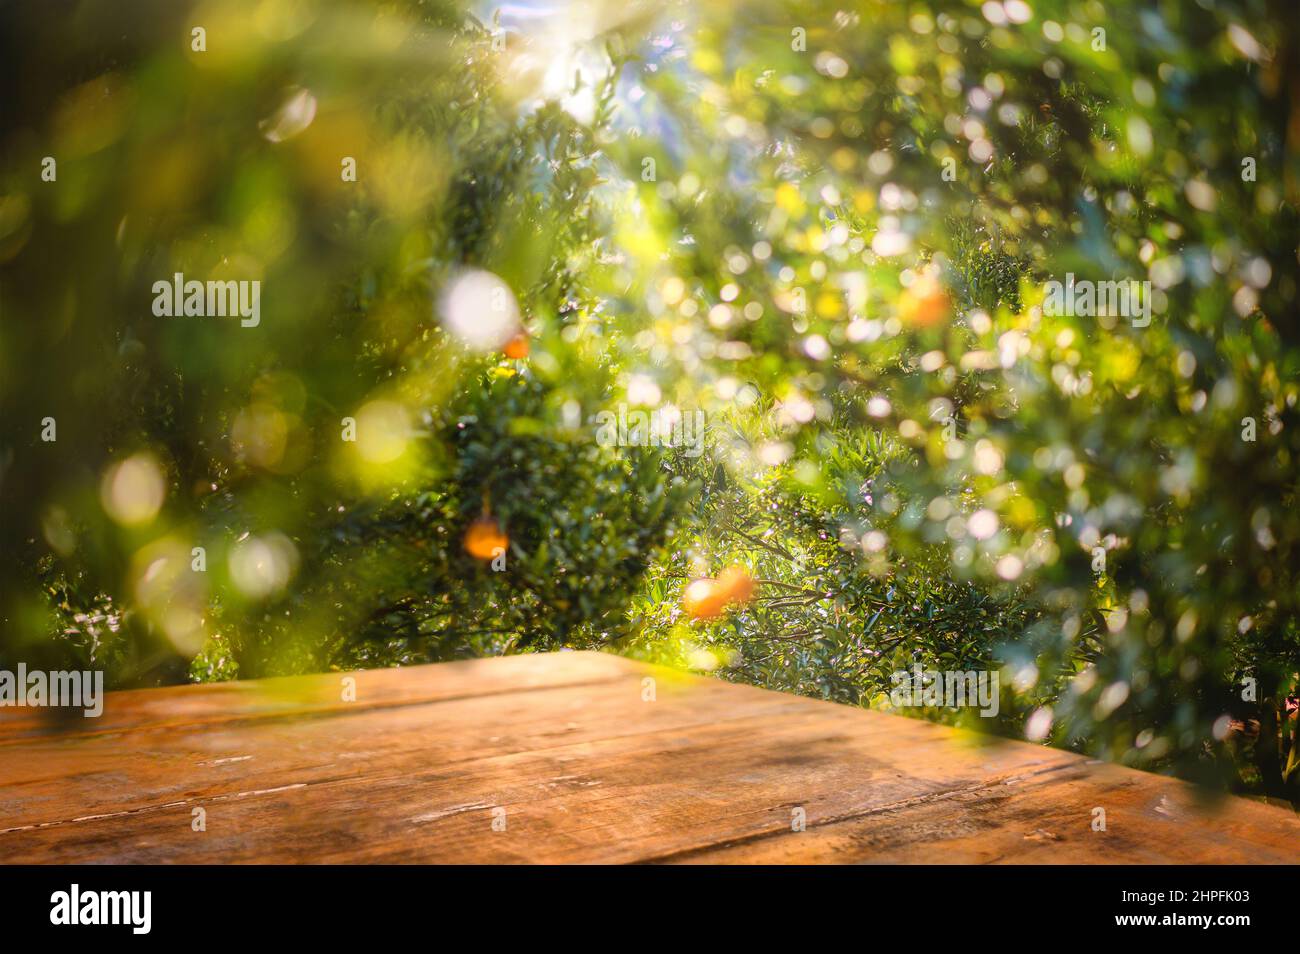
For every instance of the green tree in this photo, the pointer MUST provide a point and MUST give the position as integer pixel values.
(1116, 496)
(831, 229)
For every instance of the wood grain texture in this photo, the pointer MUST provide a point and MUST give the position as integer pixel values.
(585, 770)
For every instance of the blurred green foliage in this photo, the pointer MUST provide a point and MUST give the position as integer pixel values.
(829, 227)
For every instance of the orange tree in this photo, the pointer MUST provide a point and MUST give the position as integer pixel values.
(207, 497)
(861, 216)
(832, 229)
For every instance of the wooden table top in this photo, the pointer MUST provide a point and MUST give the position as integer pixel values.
(564, 757)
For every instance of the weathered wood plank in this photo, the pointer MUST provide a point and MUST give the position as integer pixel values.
(294, 696)
(107, 772)
(1041, 818)
(585, 770)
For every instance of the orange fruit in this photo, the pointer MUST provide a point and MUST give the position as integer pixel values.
(517, 347)
(707, 598)
(737, 584)
(704, 599)
(924, 304)
(485, 539)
